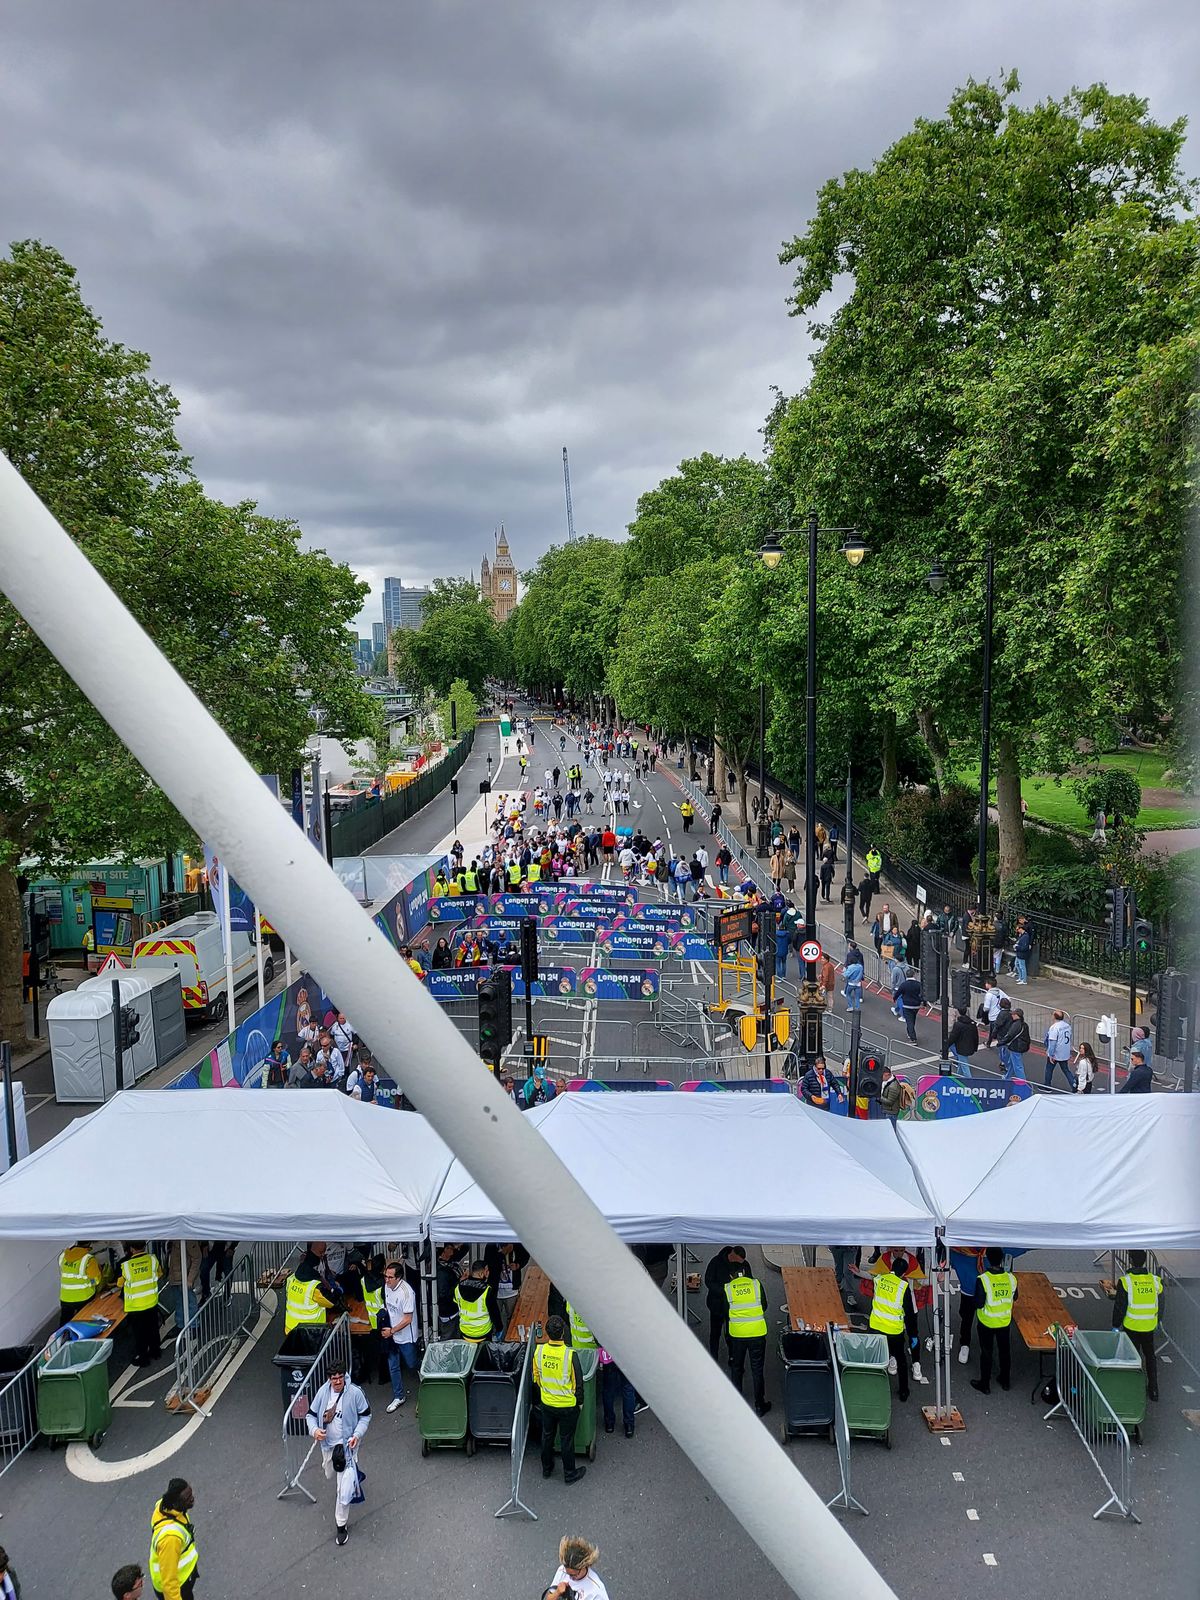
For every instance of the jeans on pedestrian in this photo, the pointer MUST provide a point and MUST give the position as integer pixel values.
(959, 1061)
(724, 871)
(844, 1255)
(997, 960)
(681, 890)
(1013, 1064)
(853, 993)
(1021, 969)
(615, 1382)
(910, 1022)
(1072, 1081)
(399, 1358)
(781, 964)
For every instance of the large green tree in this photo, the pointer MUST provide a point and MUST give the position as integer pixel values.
(944, 411)
(564, 630)
(254, 623)
(458, 639)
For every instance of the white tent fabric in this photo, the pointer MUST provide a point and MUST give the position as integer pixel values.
(213, 1164)
(1086, 1172)
(702, 1168)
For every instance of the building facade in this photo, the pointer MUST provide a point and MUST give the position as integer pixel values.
(498, 580)
(402, 606)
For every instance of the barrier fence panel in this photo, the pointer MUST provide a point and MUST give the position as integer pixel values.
(222, 1321)
(298, 1443)
(1179, 1325)
(1100, 1432)
(18, 1406)
(514, 1505)
(844, 1500)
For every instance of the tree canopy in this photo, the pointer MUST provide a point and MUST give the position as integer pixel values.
(458, 639)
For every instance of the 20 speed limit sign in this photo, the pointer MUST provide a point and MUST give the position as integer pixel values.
(810, 950)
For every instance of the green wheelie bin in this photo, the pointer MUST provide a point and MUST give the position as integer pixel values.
(1111, 1357)
(442, 1404)
(866, 1388)
(72, 1391)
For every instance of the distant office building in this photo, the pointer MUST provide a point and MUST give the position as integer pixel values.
(402, 607)
(378, 636)
(498, 580)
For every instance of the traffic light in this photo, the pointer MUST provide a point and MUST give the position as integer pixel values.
(494, 997)
(870, 1076)
(960, 988)
(1143, 936)
(529, 951)
(1169, 1020)
(1114, 917)
(127, 1023)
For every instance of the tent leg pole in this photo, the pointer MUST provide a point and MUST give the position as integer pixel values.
(287, 963)
(680, 1287)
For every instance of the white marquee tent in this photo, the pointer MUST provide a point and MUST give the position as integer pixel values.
(228, 1164)
(706, 1168)
(1077, 1173)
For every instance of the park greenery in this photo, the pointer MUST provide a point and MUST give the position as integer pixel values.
(254, 623)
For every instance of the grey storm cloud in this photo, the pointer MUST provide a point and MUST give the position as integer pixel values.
(392, 257)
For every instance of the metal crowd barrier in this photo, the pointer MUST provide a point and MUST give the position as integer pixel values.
(514, 1505)
(216, 1327)
(1180, 1324)
(1100, 1432)
(298, 1443)
(844, 1499)
(18, 1406)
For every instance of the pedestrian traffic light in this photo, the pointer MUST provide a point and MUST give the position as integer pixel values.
(529, 951)
(1143, 936)
(870, 1076)
(127, 1024)
(960, 988)
(494, 997)
(1168, 1021)
(1114, 916)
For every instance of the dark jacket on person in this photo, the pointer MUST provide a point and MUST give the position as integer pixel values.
(912, 941)
(909, 993)
(1015, 1037)
(476, 1289)
(716, 1275)
(811, 1089)
(964, 1036)
(1140, 1079)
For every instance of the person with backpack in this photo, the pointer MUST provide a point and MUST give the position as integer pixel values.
(964, 1040)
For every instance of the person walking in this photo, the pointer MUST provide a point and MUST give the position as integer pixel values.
(995, 1295)
(1085, 1068)
(828, 980)
(1138, 1309)
(716, 1275)
(908, 997)
(338, 1420)
(988, 1011)
(1140, 1079)
(558, 1379)
(746, 1331)
(1021, 948)
(174, 1561)
(576, 1575)
(894, 1315)
(1057, 1043)
(398, 1330)
(964, 1040)
(866, 890)
(613, 1382)
(874, 867)
(127, 1583)
(714, 818)
(826, 876)
(852, 977)
(783, 939)
(1013, 1043)
(688, 812)
(139, 1279)
(79, 1278)
(722, 861)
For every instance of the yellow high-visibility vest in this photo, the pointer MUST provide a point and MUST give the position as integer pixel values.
(474, 1318)
(1000, 1289)
(582, 1337)
(178, 1527)
(139, 1279)
(887, 1307)
(74, 1284)
(373, 1300)
(554, 1374)
(470, 882)
(747, 1314)
(533, 872)
(514, 874)
(1142, 1290)
(302, 1309)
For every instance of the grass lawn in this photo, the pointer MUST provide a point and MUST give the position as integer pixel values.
(1054, 800)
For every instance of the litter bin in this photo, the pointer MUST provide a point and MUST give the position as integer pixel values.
(585, 1428)
(807, 1385)
(866, 1388)
(72, 1391)
(295, 1358)
(1111, 1358)
(442, 1404)
(492, 1396)
(17, 1416)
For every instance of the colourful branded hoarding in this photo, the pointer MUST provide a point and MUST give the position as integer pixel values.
(939, 1097)
(598, 983)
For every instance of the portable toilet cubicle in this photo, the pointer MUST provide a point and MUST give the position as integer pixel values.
(80, 1029)
(156, 993)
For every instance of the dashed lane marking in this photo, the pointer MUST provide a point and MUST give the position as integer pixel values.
(989, 1559)
(972, 1516)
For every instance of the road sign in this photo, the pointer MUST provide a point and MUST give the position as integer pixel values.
(112, 964)
(810, 950)
(734, 926)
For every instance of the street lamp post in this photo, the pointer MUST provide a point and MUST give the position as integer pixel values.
(763, 845)
(812, 999)
(981, 927)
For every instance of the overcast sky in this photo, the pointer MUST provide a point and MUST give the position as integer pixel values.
(393, 256)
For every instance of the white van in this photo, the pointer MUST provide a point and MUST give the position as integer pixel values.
(193, 947)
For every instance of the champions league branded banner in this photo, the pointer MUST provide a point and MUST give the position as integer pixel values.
(689, 946)
(607, 893)
(939, 1097)
(584, 912)
(676, 916)
(592, 1085)
(598, 983)
(457, 907)
(552, 982)
(530, 904)
(636, 942)
(739, 1086)
(455, 983)
(495, 927)
(568, 930)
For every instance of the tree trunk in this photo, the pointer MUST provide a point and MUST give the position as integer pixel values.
(1008, 808)
(890, 780)
(12, 943)
(719, 783)
(935, 743)
(743, 793)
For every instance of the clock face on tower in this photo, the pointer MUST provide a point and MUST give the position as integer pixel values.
(505, 585)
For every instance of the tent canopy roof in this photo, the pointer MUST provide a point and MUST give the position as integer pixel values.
(1073, 1173)
(704, 1168)
(226, 1164)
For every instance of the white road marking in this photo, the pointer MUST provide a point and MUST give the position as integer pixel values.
(946, 1441)
(142, 1383)
(37, 1103)
(972, 1516)
(1187, 1389)
(82, 1463)
(989, 1560)
(958, 1477)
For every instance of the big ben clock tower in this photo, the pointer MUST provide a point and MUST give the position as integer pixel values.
(498, 580)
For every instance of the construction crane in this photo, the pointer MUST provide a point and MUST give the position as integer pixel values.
(567, 486)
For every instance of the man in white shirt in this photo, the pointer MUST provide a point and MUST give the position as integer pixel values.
(993, 997)
(333, 1057)
(343, 1035)
(398, 1329)
(1058, 1049)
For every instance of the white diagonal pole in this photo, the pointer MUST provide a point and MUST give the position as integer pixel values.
(50, 582)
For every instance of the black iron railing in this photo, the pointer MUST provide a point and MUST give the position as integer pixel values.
(1083, 948)
(356, 829)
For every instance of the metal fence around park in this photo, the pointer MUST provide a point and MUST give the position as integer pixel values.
(1100, 1431)
(298, 1444)
(1080, 947)
(355, 830)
